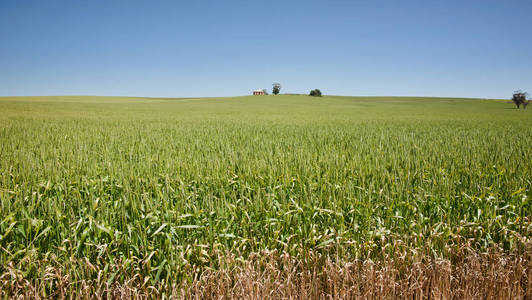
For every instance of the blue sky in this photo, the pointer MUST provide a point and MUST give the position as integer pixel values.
(228, 48)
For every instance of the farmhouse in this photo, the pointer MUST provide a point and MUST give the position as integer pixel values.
(258, 92)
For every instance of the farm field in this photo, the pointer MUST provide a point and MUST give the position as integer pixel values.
(265, 196)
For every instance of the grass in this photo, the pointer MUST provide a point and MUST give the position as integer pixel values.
(106, 192)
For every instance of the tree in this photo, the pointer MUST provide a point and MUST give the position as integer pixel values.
(315, 93)
(276, 88)
(265, 91)
(519, 98)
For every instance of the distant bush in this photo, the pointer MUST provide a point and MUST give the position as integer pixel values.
(276, 88)
(519, 98)
(315, 93)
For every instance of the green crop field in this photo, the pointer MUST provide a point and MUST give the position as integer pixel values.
(106, 192)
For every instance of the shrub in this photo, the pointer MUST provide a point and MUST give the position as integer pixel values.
(519, 98)
(276, 88)
(315, 93)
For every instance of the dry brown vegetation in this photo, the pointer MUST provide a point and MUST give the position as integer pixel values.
(468, 274)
